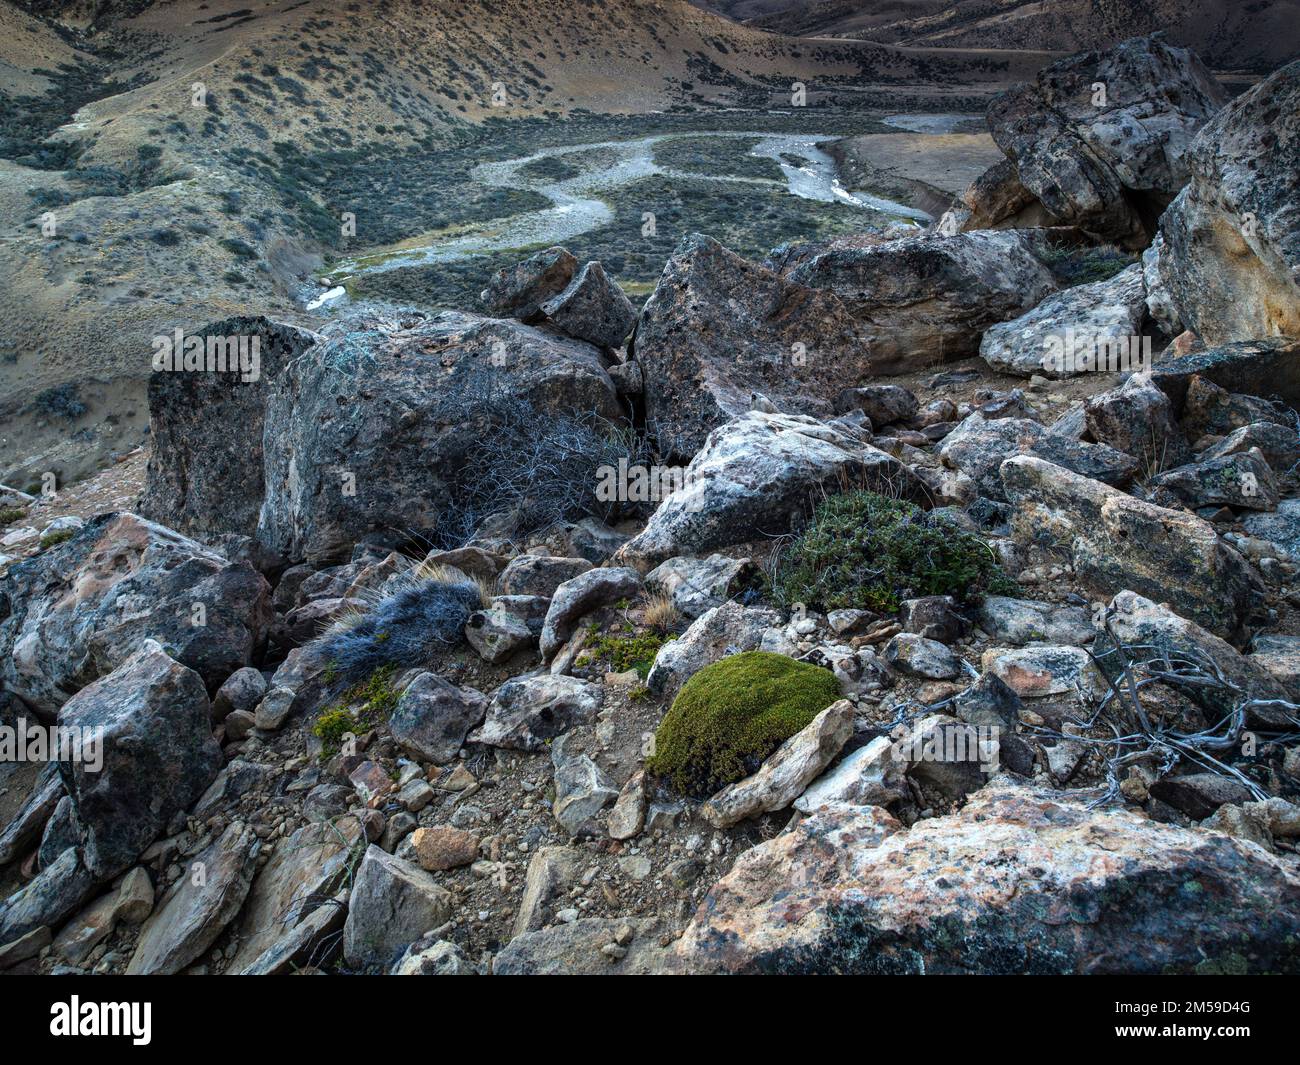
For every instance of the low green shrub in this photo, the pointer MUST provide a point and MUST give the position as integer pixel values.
(732, 715)
(624, 651)
(866, 551)
(360, 709)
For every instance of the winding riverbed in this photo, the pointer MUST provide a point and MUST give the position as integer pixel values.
(576, 207)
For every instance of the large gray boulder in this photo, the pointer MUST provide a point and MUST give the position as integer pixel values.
(519, 291)
(719, 328)
(930, 297)
(798, 330)
(1079, 330)
(1019, 881)
(1101, 138)
(1116, 543)
(752, 478)
(1138, 419)
(205, 462)
(592, 308)
(393, 903)
(373, 427)
(79, 609)
(979, 446)
(158, 756)
(1230, 257)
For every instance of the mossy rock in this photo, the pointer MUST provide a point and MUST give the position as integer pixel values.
(732, 715)
(861, 550)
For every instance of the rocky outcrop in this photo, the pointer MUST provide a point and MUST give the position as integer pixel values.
(1269, 367)
(978, 446)
(519, 291)
(927, 298)
(719, 328)
(373, 427)
(1231, 240)
(752, 478)
(1082, 329)
(78, 610)
(205, 462)
(158, 757)
(1101, 138)
(1116, 542)
(1020, 881)
(592, 308)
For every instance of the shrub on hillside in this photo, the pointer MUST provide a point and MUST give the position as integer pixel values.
(732, 715)
(526, 467)
(404, 629)
(867, 551)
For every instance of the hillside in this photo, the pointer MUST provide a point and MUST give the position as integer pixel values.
(1255, 37)
(201, 155)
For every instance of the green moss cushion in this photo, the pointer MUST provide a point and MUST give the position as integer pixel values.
(732, 715)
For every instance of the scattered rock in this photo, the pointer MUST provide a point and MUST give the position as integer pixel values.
(1116, 542)
(1024, 621)
(527, 711)
(578, 597)
(784, 776)
(392, 904)
(443, 847)
(199, 906)
(916, 656)
(433, 717)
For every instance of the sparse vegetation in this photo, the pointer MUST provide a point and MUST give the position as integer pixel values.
(360, 709)
(629, 650)
(867, 551)
(61, 401)
(58, 536)
(404, 629)
(1081, 265)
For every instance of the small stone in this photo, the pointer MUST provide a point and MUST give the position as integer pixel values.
(628, 816)
(917, 656)
(442, 848)
(635, 866)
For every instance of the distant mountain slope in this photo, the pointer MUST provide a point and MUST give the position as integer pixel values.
(193, 156)
(1256, 35)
